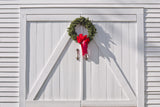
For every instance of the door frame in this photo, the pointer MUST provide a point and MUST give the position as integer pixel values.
(24, 12)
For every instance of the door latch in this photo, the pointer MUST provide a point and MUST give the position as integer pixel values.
(78, 54)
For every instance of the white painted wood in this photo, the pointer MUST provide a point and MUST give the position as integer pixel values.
(153, 84)
(152, 10)
(9, 89)
(9, 6)
(152, 24)
(22, 86)
(9, 94)
(152, 89)
(9, 79)
(110, 77)
(122, 18)
(154, 34)
(9, 54)
(56, 82)
(154, 102)
(152, 20)
(152, 59)
(84, 11)
(118, 74)
(132, 51)
(9, 85)
(51, 103)
(152, 64)
(127, 5)
(9, 99)
(9, 75)
(9, 20)
(152, 49)
(152, 30)
(7, 35)
(91, 4)
(9, 40)
(13, 25)
(152, 15)
(109, 104)
(118, 37)
(32, 35)
(153, 97)
(9, 104)
(154, 54)
(6, 60)
(9, 45)
(153, 74)
(152, 39)
(46, 70)
(153, 93)
(9, 50)
(8, 11)
(152, 44)
(153, 79)
(71, 77)
(90, 1)
(140, 55)
(9, 65)
(152, 68)
(48, 50)
(9, 69)
(125, 45)
(67, 76)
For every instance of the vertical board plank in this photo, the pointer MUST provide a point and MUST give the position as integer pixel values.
(33, 53)
(64, 73)
(47, 53)
(117, 39)
(133, 54)
(55, 37)
(87, 73)
(110, 78)
(125, 51)
(40, 50)
(94, 53)
(102, 65)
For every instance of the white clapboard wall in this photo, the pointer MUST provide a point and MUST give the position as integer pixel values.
(9, 52)
(9, 55)
(152, 44)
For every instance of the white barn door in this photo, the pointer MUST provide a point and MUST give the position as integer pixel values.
(55, 78)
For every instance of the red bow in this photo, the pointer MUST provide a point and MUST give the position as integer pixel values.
(83, 40)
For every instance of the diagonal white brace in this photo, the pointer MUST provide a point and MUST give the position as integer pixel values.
(118, 72)
(48, 66)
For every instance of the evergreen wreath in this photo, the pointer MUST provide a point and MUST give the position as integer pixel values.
(84, 22)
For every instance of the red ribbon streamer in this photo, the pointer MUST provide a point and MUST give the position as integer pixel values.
(83, 40)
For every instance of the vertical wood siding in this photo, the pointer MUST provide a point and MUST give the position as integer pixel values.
(9, 55)
(101, 83)
(152, 57)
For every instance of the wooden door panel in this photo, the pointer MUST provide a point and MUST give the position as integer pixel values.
(109, 75)
(63, 81)
(117, 40)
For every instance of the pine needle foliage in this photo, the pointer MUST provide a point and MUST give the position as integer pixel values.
(84, 22)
